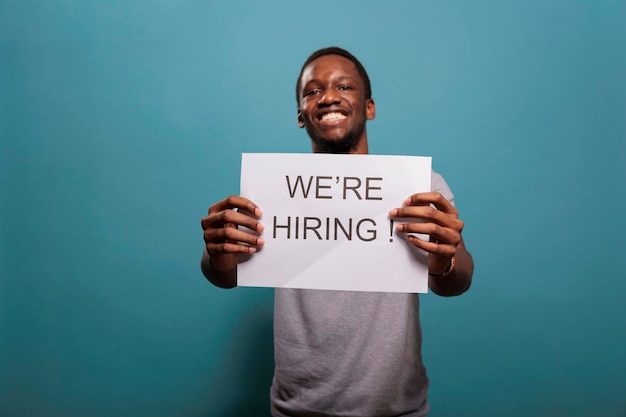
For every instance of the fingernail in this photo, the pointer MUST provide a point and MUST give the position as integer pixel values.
(260, 227)
(260, 242)
(393, 212)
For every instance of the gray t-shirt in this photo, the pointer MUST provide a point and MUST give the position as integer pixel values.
(343, 353)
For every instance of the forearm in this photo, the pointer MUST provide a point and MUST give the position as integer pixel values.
(459, 280)
(219, 278)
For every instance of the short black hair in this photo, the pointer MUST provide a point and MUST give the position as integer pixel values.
(335, 50)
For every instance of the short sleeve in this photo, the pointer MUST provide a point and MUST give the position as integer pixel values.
(438, 184)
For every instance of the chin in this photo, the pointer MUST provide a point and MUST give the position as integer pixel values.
(335, 141)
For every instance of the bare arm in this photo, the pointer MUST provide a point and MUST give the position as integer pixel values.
(224, 240)
(441, 222)
(459, 280)
(219, 278)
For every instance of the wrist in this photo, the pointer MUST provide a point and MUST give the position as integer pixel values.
(447, 271)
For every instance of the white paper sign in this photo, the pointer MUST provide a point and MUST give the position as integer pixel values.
(327, 222)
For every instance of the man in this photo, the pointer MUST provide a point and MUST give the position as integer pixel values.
(341, 353)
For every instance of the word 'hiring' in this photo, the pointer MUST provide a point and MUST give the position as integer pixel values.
(324, 228)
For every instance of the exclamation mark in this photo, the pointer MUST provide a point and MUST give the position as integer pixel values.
(391, 230)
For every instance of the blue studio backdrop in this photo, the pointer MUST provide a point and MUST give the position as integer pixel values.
(122, 121)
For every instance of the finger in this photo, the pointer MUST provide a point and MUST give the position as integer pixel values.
(236, 202)
(429, 214)
(443, 235)
(435, 198)
(221, 248)
(231, 235)
(421, 212)
(432, 247)
(230, 217)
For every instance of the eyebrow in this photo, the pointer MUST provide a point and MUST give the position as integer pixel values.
(339, 79)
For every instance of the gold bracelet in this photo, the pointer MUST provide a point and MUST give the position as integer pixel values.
(448, 270)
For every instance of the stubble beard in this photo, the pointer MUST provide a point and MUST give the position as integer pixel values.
(345, 144)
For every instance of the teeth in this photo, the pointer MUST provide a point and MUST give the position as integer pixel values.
(333, 116)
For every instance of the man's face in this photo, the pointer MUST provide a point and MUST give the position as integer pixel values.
(333, 107)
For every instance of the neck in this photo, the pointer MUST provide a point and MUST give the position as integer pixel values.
(360, 148)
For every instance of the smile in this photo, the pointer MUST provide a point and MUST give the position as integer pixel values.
(332, 116)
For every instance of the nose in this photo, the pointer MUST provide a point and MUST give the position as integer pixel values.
(329, 97)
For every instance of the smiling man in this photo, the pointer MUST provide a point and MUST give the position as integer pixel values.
(343, 353)
(334, 105)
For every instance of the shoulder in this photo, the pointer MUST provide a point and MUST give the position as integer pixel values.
(439, 184)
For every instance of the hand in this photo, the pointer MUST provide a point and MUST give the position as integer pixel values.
(222, 236)
(440, 221)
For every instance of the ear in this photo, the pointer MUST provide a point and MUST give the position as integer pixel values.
(370, 109)
(300, 121)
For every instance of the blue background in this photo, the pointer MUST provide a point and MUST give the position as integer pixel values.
(122, 121)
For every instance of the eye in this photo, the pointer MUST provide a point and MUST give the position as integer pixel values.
(311, 92)
(345, 88)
